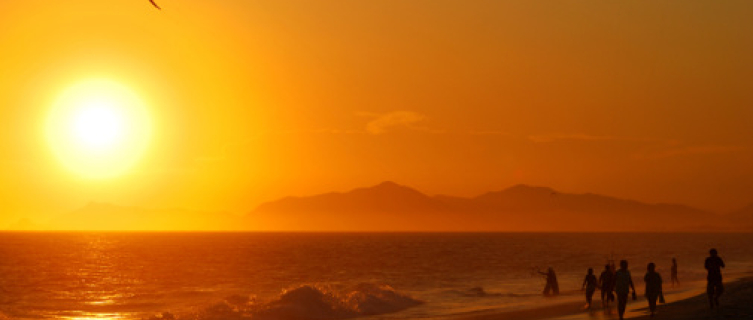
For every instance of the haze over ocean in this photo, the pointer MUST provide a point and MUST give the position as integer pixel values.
(344, 275)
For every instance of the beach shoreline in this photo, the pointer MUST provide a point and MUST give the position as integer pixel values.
(735, 303)
(690, 303)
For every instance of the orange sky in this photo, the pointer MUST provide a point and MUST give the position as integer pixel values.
(255, 100)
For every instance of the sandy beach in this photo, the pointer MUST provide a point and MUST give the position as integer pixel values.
(548, 312)
(736, 303)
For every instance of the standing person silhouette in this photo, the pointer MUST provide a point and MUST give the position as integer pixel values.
(653, 287)
(589, 283)
(674, 273)
(606, 282)
(623, 282)
(714, 286)
(552, 288)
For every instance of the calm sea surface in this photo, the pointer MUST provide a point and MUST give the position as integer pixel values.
(322, 276)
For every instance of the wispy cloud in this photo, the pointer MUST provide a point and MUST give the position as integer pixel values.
(572, 136)
(387, 121)
(688, 150)
(489, 133)
(338, 131)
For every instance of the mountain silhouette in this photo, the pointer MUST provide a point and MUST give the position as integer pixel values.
(386, 206)
(392, 207)
(389, 206)
(553, 211)
(386, 196)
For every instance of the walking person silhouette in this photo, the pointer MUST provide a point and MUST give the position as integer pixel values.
(606, 282)
(653, 288)
(673, 273)
(714, 286)
(589, 284)
(623, 282)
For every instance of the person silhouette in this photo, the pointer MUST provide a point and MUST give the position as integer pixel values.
(623, 282)
(589, 284)
(714, 286)
(552, 288)
(673, 273)
(606, 282)
(653, 288)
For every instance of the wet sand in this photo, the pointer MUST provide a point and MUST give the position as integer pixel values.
(689, 304)
(548, 312)
(736, 303)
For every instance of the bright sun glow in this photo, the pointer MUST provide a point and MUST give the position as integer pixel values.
(98, 128)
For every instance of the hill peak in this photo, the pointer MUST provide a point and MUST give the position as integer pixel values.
(519, 190)
(388, 188)
(389, 185)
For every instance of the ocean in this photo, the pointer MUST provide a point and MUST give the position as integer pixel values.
(101, 275)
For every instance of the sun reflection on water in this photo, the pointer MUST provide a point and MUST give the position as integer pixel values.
(97, 277)
(112, 316)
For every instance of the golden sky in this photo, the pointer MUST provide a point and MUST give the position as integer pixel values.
(249, 101)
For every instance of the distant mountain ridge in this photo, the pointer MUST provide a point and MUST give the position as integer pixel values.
(389, 206)
(386, 196)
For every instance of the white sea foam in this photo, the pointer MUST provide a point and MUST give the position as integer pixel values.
(307, 302)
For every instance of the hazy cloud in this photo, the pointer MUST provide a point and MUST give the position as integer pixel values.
(572, 136)
(689, 150)
(490, 133)
(338, 131)
(383, 122)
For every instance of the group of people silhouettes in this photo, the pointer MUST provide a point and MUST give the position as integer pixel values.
(619, 282)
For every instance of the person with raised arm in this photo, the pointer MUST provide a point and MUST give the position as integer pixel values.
(552, 288)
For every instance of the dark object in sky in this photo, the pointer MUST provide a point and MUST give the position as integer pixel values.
(155, 5)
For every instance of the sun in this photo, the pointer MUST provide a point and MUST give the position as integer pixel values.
(98, 128)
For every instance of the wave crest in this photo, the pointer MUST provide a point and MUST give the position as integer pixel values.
(307, 302)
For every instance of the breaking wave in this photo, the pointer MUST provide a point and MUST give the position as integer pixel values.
(307, 302)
